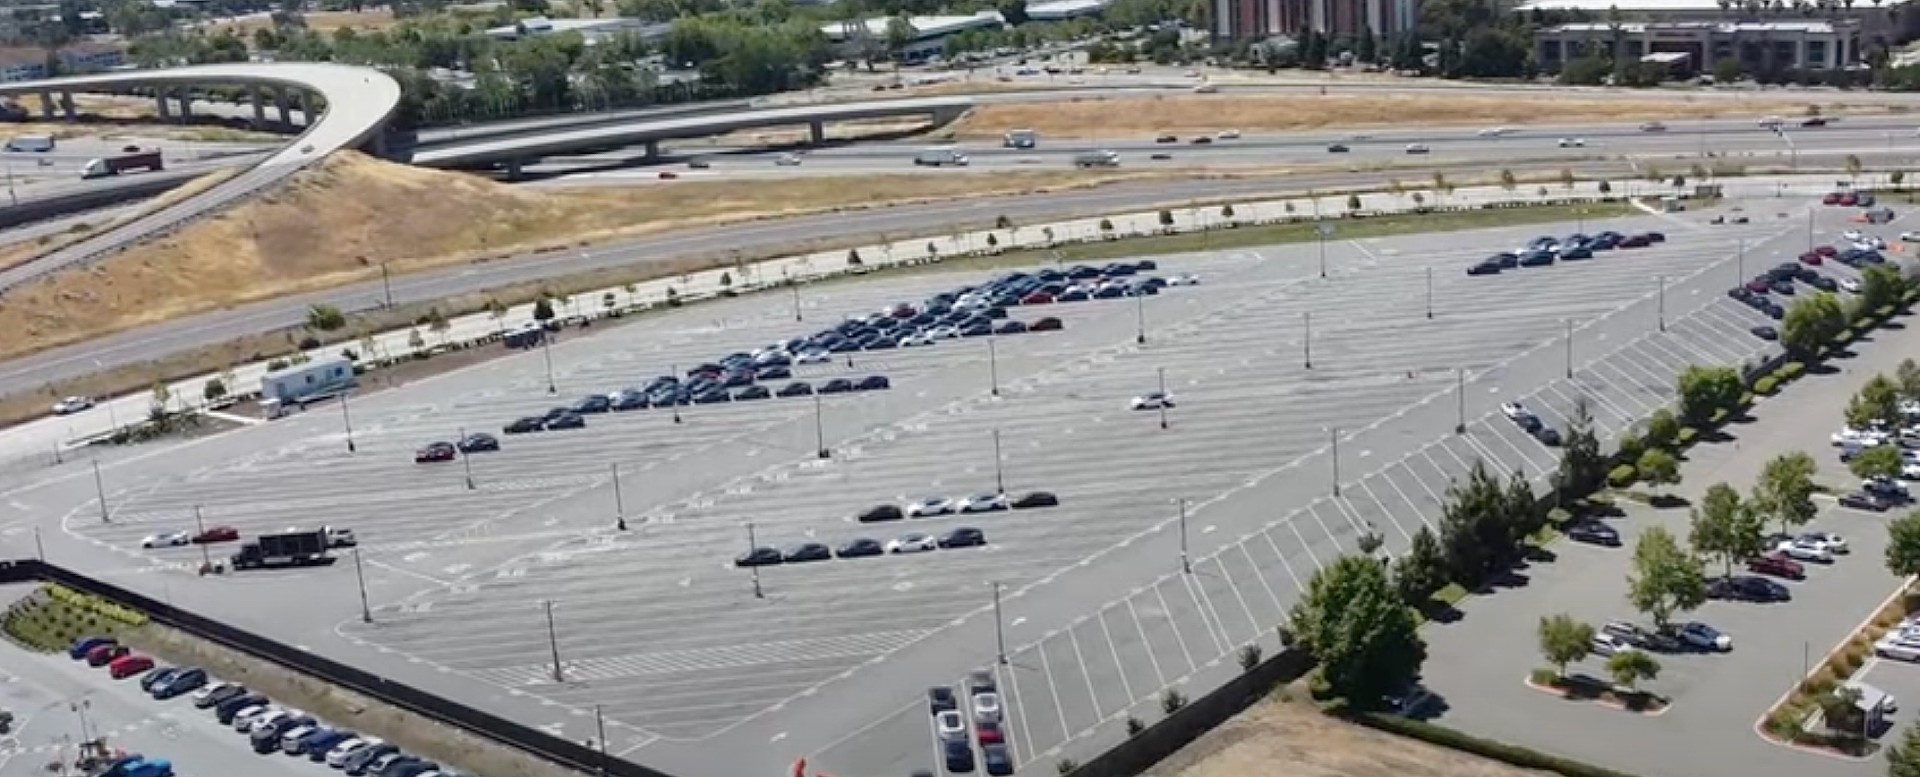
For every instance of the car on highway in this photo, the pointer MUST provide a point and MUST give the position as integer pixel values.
(983, 503)
(1166, 139)
(760, 557)
(913, 543)
(1653, 126)
(787, 160)
(525, 425)
(1418, 148)
(1573, 143)
(1814, 121)
(860, 547)
(810, 551)
(930, 506)
(1704, 637)
(1338, 148)
(434, 452)
(71, 405)
(167, 540)
(1777, 564)
(1202, 140)
(478, 443)
(963, 537)
(1748, 588)
(1594, 533)
(1228, 134)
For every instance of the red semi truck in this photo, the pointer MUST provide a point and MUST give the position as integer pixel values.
(115, 165)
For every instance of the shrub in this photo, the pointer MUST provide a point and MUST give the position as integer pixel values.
(1688, 435)
(1622, 476)
(1249, 657)
(1066, 766)
(1134, 726)
(1171, 701)
(1719, 417)
(1764, 386)
(1791, 370)
(1746, 399)
(1450, 594)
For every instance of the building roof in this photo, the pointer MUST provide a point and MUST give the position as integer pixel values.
(927, 26)
(1725, 28)
(1065, 9)
(540, 25)
(1625, 6)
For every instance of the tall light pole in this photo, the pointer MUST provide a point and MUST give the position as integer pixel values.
(39, 550)
(999, 626)
(1321, 231)
(1186, 564)
(1333, 436)
(999, 470)
(360, 576)
(1460, 394)
(796, 300)
(100, 492)
(1809, 229)
(346, 420)
(553, 643)
(546, 350)
(1663, 303)
(600, 724)
(619, 504)
(80, 708)
(754, 570)
(673, 370)
(466, 458)
(386, 284)
(820, 428)
(1306, 339)
(1163, 397)
(199, 525)
(993, 365)
(1569, 348)
(1740, 264)
(1429, 292)
(1140, 318)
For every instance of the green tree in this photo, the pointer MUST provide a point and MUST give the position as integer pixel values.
(1881, 285)
(1703, 390)
(1665, 579)
(1785, 491)
(1658, 468)
(325, 318)
(438, 324)
(1365, 47)
(1903, 545)
(1471, 533)
(1353, 203)
(1630, 668)
(1422, 570)
(1582, 466)
(1903, 759)
(1507, 180)
(543, 309)
(1811, 323)
(1726, 71)
(414, 340)
(1877, 403)
(1663, 428)
(1907, 377)
(900, 32)
(1564, 640)
(214, 389)
(1880, 461)
(1726, 528)
(1356, 625)
(1166, 221)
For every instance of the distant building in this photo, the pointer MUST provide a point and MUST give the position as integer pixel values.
(1062, 10)
(929, 40)
(593, 30)
(1759, 47)
(28, 63)
(1337, 19)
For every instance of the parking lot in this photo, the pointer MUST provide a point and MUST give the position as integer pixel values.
(655, 626)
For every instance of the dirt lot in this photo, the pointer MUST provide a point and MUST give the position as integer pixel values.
(317, 21)
(1253, 113)
(1290, 739)
(306, 235)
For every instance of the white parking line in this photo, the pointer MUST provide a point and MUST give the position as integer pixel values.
(1255, 566)
(1012, 680)
(1294, 525)
(1114, 648)
(1313, 510)
(1383, 505)
(1252, 622)
(1098, 709)
(1059, 710)
(1417, 512)
(1146, 644)
(1203, 607)
(1178, 638)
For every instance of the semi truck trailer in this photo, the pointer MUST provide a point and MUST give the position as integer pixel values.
(285, 549)
(115, 165)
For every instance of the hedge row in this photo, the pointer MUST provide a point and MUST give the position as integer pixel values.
(97, 605)
(1526, 758)
(1622, 476)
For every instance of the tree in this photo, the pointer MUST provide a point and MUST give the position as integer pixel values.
(853, 258)
(495, 311)
(1470, 531)
(1879, 461)
(1566, 178)
(900, 32)
(1703, 390)
(1166, 221)
(1365, 47)
(1785, 491)
(1363, 635)
(1605, 188)
(1880, 286)
(162, 396)
(1630, 667)
(1726, 528)
(1226, 211)
(1726, 71)
(1853, 166)
(1903, 545)
(214, 389)
(1582, 466)
(1811, 323)
(1658, 468)
(543, 309)
(437, 323)
(1665, 579)
(1903, 760)
(1877, 403)
(1907, 377)
(414, 340)
(1422, 570)
(1564, 640)
(1353, 203)
(1507, 180)
(325, 318)
(1662, 428)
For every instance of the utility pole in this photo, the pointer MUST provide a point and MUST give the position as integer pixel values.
(1569, 348)
(619, 504)
(1140, 318)
(1186, 564)
(796, 300)
(1163, 397)
(553, 643)
(673, 370)
(346, 419)
(600, 723)
(100, 492)
(820, 428)
(1306, 340)
(999, 470)
(1333, 434)
(1460, 394)
(546, 350)
(466, 459)
(1663, 303)
(1740, 264)
(386, 284)
(360, 575)
(1322, 230)
(993, 365)
(1429, 293)
(999, 625)
(39, 550)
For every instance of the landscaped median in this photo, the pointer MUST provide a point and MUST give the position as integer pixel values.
(54, 616)
(1819, 712)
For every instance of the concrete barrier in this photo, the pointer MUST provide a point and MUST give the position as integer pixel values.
(138, 188)
(1199, 716)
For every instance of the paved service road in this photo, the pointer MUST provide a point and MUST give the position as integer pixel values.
(709, 674)
(56, 702)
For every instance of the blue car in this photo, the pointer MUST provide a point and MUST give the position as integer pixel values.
(84, 645)
(1571, 252)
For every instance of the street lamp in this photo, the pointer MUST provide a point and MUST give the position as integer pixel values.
(1140, 317)
(346, 418)
(1163, 397)
(1460, 394)
(820, 428)
(1333, 435)
(796, 299)
(1186, 564)
(360, 575)
(619, 504)
(1429, 292)
(199, 525)
(1663, 303)
(600, 724)
(546, 349)
(999, 625)
(754, 570)
(673, 370)
(466, 458)
(1306, 339)
(100, 492)
(553, 643)
(999, 471)
(993, 365)
(1569, 348)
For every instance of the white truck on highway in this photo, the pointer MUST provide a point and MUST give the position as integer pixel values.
(937, 157)
(1102, 158)
(32, 143)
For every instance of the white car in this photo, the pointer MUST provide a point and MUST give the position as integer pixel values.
(1605, 644)
(983, 503)
(1493, 132)
(1205, 89)
(243, 720)
(1152, 401)
(944, 332)
(1850, 285)
(1515, 411)
(1804, 551)
(1184, 279)
(918, 339)
(1834, 543)
(1910, 236)
(1705, 637)
(1864, 439)
(913, 543)
(930, 506)
(341, 538)
(986, 706)
(1870, 243)
(950, 726)
(71, 405)
(1417, 148)
(209, 690)
(168, 540)
(1895, 647)
(1853, 235)
(266, 721)
(1573, 142)
(1232, 134)
(787, 160)
(337, 757)
(815, 356)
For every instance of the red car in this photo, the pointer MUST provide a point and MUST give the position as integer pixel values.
(1778, 565)
(1849, 200)
(1827, 251)
(1758, 286)
(215, 534)
(1036, 298)
(1832, 198)
(128, 665)
(439, 451)
(1812, 257)
(101, 655)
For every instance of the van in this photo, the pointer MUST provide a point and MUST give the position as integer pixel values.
(1102, 158)
(31, 143)
(936, 157)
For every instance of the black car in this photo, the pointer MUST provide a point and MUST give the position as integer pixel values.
(630, 400)
(1655, 237)
(556, 412)
(567, 421)
(879, 513)
(836, 386)
(1825, 284)
(958, 755)
(479, 443)
(812, 551)
(1048, 324)
(751, 393)
(220, 696)
(861, 547)
(182, 681)
(1595, 533)
(873, 383)
(598, 403)
(1864, 500)
(760, 557)
(773, 373)
(705, 370)
(1034, 499)
(1782, 288)
(996, 760)
(712, 396)
(225, 710)
(883, 342)
(1765, 332)
(800, 389)
(525, 425)
(1748, 588)
(940, 699)
(963, 537)
(1010, 328)
(1740, 293)
(1337, 148)
(1483, 268)
(1547, 436)
(156, 677)
(736, 378)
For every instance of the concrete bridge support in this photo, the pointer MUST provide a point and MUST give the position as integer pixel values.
(186, 103)
(46, 105)
(653, 149)
(817, 132)
(66, 106)
(513, 170)
(259, 107)
(160, 104)
(280, 102)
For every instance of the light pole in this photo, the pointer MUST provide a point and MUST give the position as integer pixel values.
(386, 285)
(1809, 229)
(1333, 435)
(1569, 348)
(673, 370)
(546, 350)
(553, 643)
(360, 576)
(199, 525)
(1460, 395)
(1306, 339)
(1740, 264)
(466, 458)
(1429, 292)
(993, 365)
(1163, 397)
(1140, 318)
(1321, 231)
(999, 470)
(752, 545)
(1186, 564)
(999, 625)
(100, 492)
(39, 550)
(1663, 303)
(796, 300)
(346, 419)
(820, 428)
(600, 724)
(80, 708)
(619, 504)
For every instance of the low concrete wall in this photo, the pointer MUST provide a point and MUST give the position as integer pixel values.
(136, 188)
(1199, 716)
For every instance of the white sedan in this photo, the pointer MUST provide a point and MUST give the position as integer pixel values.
(1573, 143)
(1910, 470)
(787, 160)
(1705, 637)
(933, 505)
(1850, 285)
(1417, 148)
(815, 356)
(1834, 543)
(1232, 134)
(1605, 644)
(986, 706)
(913, 543)
(950, 726)
(1514, 410)
(71, 405)
(1910, 236)
(1805, 551)
(918, 339)
(1152, 401)
(983, 503)
(1184, 279)
(170, 540)
(1855, 437)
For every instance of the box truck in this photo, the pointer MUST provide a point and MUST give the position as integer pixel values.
(32, 143)
(295, 548)
(115, 165)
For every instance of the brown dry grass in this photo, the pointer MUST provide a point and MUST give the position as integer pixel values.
(342, 708)
(318, 21)
(305, 236)
(20, 252)
(1306, 111)
(1282, 739)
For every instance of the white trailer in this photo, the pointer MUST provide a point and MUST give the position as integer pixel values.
(310, 381)
(32, 143)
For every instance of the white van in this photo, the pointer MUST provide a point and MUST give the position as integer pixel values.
(32, 143)
(936, 157)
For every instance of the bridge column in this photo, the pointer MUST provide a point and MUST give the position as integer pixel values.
(66, 105)
(259, 107)
(160, 104)
(46, 105)
(280, 102)
(186, 103)
(513, 170)
(653, 149)
(817, 130)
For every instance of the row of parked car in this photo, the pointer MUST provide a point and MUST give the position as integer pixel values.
(1543, 251)
(668, 391)
(270, 728)
(985, 712)
(912, 542)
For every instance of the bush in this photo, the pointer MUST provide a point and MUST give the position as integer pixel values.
(1249, 657)
(1791, 370)
(1134, 726)
(1525, 758)
(1688, 435)
(1066, 766)
(1450, 594)
(1746, 399)
(1719, 417)
(1764, 386)
(1622, 476)
(1171, 701)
